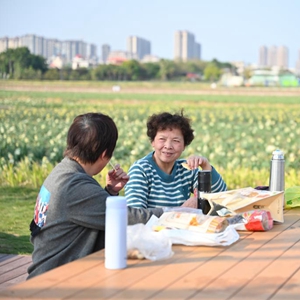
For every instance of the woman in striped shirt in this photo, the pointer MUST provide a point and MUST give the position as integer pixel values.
(159, 179)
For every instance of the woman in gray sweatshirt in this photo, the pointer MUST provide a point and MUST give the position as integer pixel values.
(69, 215)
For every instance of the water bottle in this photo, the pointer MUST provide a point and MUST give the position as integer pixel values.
(116, 233)
(204, 186)
(277, 172)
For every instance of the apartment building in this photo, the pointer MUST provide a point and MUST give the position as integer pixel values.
(283, 57)
(105, 52)
(92, 51)
(50, 48)
(298, 63)
(138, 47)
(185, 46)
(274, 57)
(263, 56)
(3, 44)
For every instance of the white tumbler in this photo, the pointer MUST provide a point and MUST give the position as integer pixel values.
(115, 233)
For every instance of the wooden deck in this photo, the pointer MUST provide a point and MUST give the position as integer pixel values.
(13, 269)
(260, 265)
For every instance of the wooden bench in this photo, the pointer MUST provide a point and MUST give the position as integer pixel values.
(13, 269)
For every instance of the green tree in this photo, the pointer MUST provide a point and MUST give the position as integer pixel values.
(31, 74)
(212, 72)
(133, 70)
(151, 70)
(98, 73)
(38, 63)
(52, 74)
(17, 61)
(167, 69)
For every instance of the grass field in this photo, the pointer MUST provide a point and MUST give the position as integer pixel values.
(237, 129)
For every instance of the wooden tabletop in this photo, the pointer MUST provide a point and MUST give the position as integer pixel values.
(261, 265)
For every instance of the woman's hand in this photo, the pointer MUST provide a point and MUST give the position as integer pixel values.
(116, 180)
(195, 161)
(191, 202)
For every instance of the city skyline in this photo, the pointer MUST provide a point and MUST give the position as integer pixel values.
(82, 54)
(273, 56)
(228, 31)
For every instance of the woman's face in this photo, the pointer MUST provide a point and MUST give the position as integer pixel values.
(168, 145)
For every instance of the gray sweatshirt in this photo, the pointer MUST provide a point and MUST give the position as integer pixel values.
(69, 218)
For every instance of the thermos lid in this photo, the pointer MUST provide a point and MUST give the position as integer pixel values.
(278, 154)
(204, 175)
(116, 202)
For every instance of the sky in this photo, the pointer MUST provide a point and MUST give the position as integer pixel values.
(228, 30)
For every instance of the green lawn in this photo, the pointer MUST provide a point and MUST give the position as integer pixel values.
(16, 206)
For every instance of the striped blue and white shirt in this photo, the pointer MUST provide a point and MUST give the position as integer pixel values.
(149, 186)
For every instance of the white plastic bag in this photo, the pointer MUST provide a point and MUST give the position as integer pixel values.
(192, 238)
(142, 242)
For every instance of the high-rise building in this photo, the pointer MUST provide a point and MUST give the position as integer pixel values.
(272, 56)
(72, 48)
(34, 43)
(53, 47)
(197, 53)
(185, 46)
(3, 44)
(283, 57)
(138, 47)
(263, 56)
(50, 48)
(92, 51)
(28, 41)
(105, 52)
(298, 63)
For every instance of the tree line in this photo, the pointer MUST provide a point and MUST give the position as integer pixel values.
(20, 64)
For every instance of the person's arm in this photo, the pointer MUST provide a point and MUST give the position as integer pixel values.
(142, 215)
(136, 189)
(217, 182)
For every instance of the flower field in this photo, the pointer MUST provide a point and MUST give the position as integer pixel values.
(236, 133)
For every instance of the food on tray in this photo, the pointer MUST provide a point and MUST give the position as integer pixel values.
(134, 254)
(191, 221)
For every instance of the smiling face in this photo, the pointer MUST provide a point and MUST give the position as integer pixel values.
(168, 145)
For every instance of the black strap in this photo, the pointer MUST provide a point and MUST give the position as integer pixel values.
(34, 228)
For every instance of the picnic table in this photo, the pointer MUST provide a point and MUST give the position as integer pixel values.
(260, 265)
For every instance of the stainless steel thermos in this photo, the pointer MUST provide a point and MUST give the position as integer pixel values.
(277, 172)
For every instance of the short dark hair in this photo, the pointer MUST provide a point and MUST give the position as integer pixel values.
(166, 120)
(90, 135)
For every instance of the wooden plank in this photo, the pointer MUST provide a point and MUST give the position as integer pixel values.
(20, 261)
(58, 275)
(14, 273)
(291, 289)
(14, 280)
(246, 274)
(112, 287)
(13, 269)
(8, 258)
(70, 287)
(275, 275)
